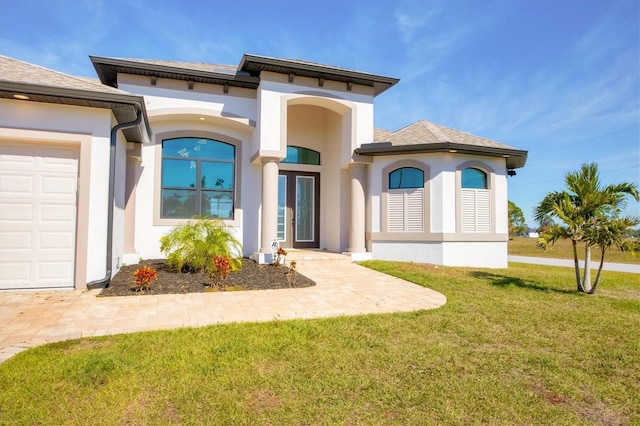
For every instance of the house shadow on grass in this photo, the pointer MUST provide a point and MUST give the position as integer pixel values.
(499, 280)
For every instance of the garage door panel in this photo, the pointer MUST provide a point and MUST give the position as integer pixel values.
(56, 240)
(57, 213)
(15, 240)
(57, 185)
(37, 215)
(17, 185)
(54, 272)
(15, 212)
(15, 274)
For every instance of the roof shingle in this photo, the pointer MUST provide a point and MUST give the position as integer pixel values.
(16, 71)
(425, 132)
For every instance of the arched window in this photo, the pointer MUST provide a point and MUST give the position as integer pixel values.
(475, 201)
(406, 200)
(197, 178)
(473, 178)
(406, 177)
(299, 155)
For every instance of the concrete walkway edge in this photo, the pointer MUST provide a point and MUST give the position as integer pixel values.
(617, 267)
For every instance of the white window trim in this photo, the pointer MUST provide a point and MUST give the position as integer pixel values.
(384, 205)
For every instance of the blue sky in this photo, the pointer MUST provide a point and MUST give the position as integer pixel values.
(559, 78)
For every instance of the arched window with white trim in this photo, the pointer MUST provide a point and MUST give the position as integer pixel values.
(405, 206)
(475, 200)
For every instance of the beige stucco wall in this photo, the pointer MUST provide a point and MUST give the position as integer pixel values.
(328, 119)
(441, 243)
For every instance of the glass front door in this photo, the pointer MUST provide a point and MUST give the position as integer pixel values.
(299, 209)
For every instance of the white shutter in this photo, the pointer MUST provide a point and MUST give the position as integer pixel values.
(476, 210)
(483, 210)
(395, 211)
(405, 210)
(414, 210)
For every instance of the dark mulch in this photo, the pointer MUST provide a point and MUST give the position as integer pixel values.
(251, 277)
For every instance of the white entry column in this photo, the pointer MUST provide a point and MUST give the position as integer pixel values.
(357, 217)
(269, 216)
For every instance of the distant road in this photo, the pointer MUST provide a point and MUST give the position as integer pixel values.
(618, 267)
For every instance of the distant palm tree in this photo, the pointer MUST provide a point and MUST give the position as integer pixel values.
(590, 214)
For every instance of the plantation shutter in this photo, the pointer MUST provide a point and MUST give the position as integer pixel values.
(405, 210)
(476, 210)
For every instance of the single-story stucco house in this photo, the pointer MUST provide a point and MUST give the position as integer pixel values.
(93, 172)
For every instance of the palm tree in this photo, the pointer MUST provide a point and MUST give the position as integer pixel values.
(586, 210)
(610, 233)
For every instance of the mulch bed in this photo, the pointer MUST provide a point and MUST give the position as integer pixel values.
(250, 277)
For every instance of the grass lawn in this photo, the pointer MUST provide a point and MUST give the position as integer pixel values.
(511, 346)
(522, 246)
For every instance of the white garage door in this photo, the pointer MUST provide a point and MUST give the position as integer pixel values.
(38, 187)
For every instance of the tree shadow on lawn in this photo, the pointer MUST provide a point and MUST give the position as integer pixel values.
(499, 280)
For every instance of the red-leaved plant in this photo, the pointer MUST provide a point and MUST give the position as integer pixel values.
(144, 276)
(219, 271)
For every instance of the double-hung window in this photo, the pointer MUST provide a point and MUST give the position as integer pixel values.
(405, 206)
(476, 201)
(198, 178)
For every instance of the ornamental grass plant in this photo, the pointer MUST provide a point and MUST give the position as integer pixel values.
(192, 246)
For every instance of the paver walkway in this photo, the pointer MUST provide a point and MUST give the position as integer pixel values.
(29, 319)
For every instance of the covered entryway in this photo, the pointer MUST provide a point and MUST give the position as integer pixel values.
(299, 209)
(38, 186)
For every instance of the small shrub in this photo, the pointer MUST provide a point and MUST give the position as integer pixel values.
(280, 257)
(291, 273)
(219, 271)
(144, 276)
(191, 246)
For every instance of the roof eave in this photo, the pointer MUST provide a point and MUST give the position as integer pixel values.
(255, 64)
(515, 158)
(101, 64)
(113, 101)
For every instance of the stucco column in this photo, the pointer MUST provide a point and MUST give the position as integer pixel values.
(357, 217)
(269, 217)
(133, 164)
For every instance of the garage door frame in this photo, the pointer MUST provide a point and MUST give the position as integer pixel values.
(83, 143)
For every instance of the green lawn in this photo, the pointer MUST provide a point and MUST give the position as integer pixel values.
(522, 246)
(511, 346)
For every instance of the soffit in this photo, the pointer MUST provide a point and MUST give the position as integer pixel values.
(109, 68)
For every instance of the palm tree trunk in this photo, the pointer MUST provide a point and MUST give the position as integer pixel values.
(586, 282)
(576, 265)
(595, 284)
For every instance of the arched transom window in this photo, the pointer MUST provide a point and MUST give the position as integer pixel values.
(300, 155)
(406, 177)
(474, 178)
